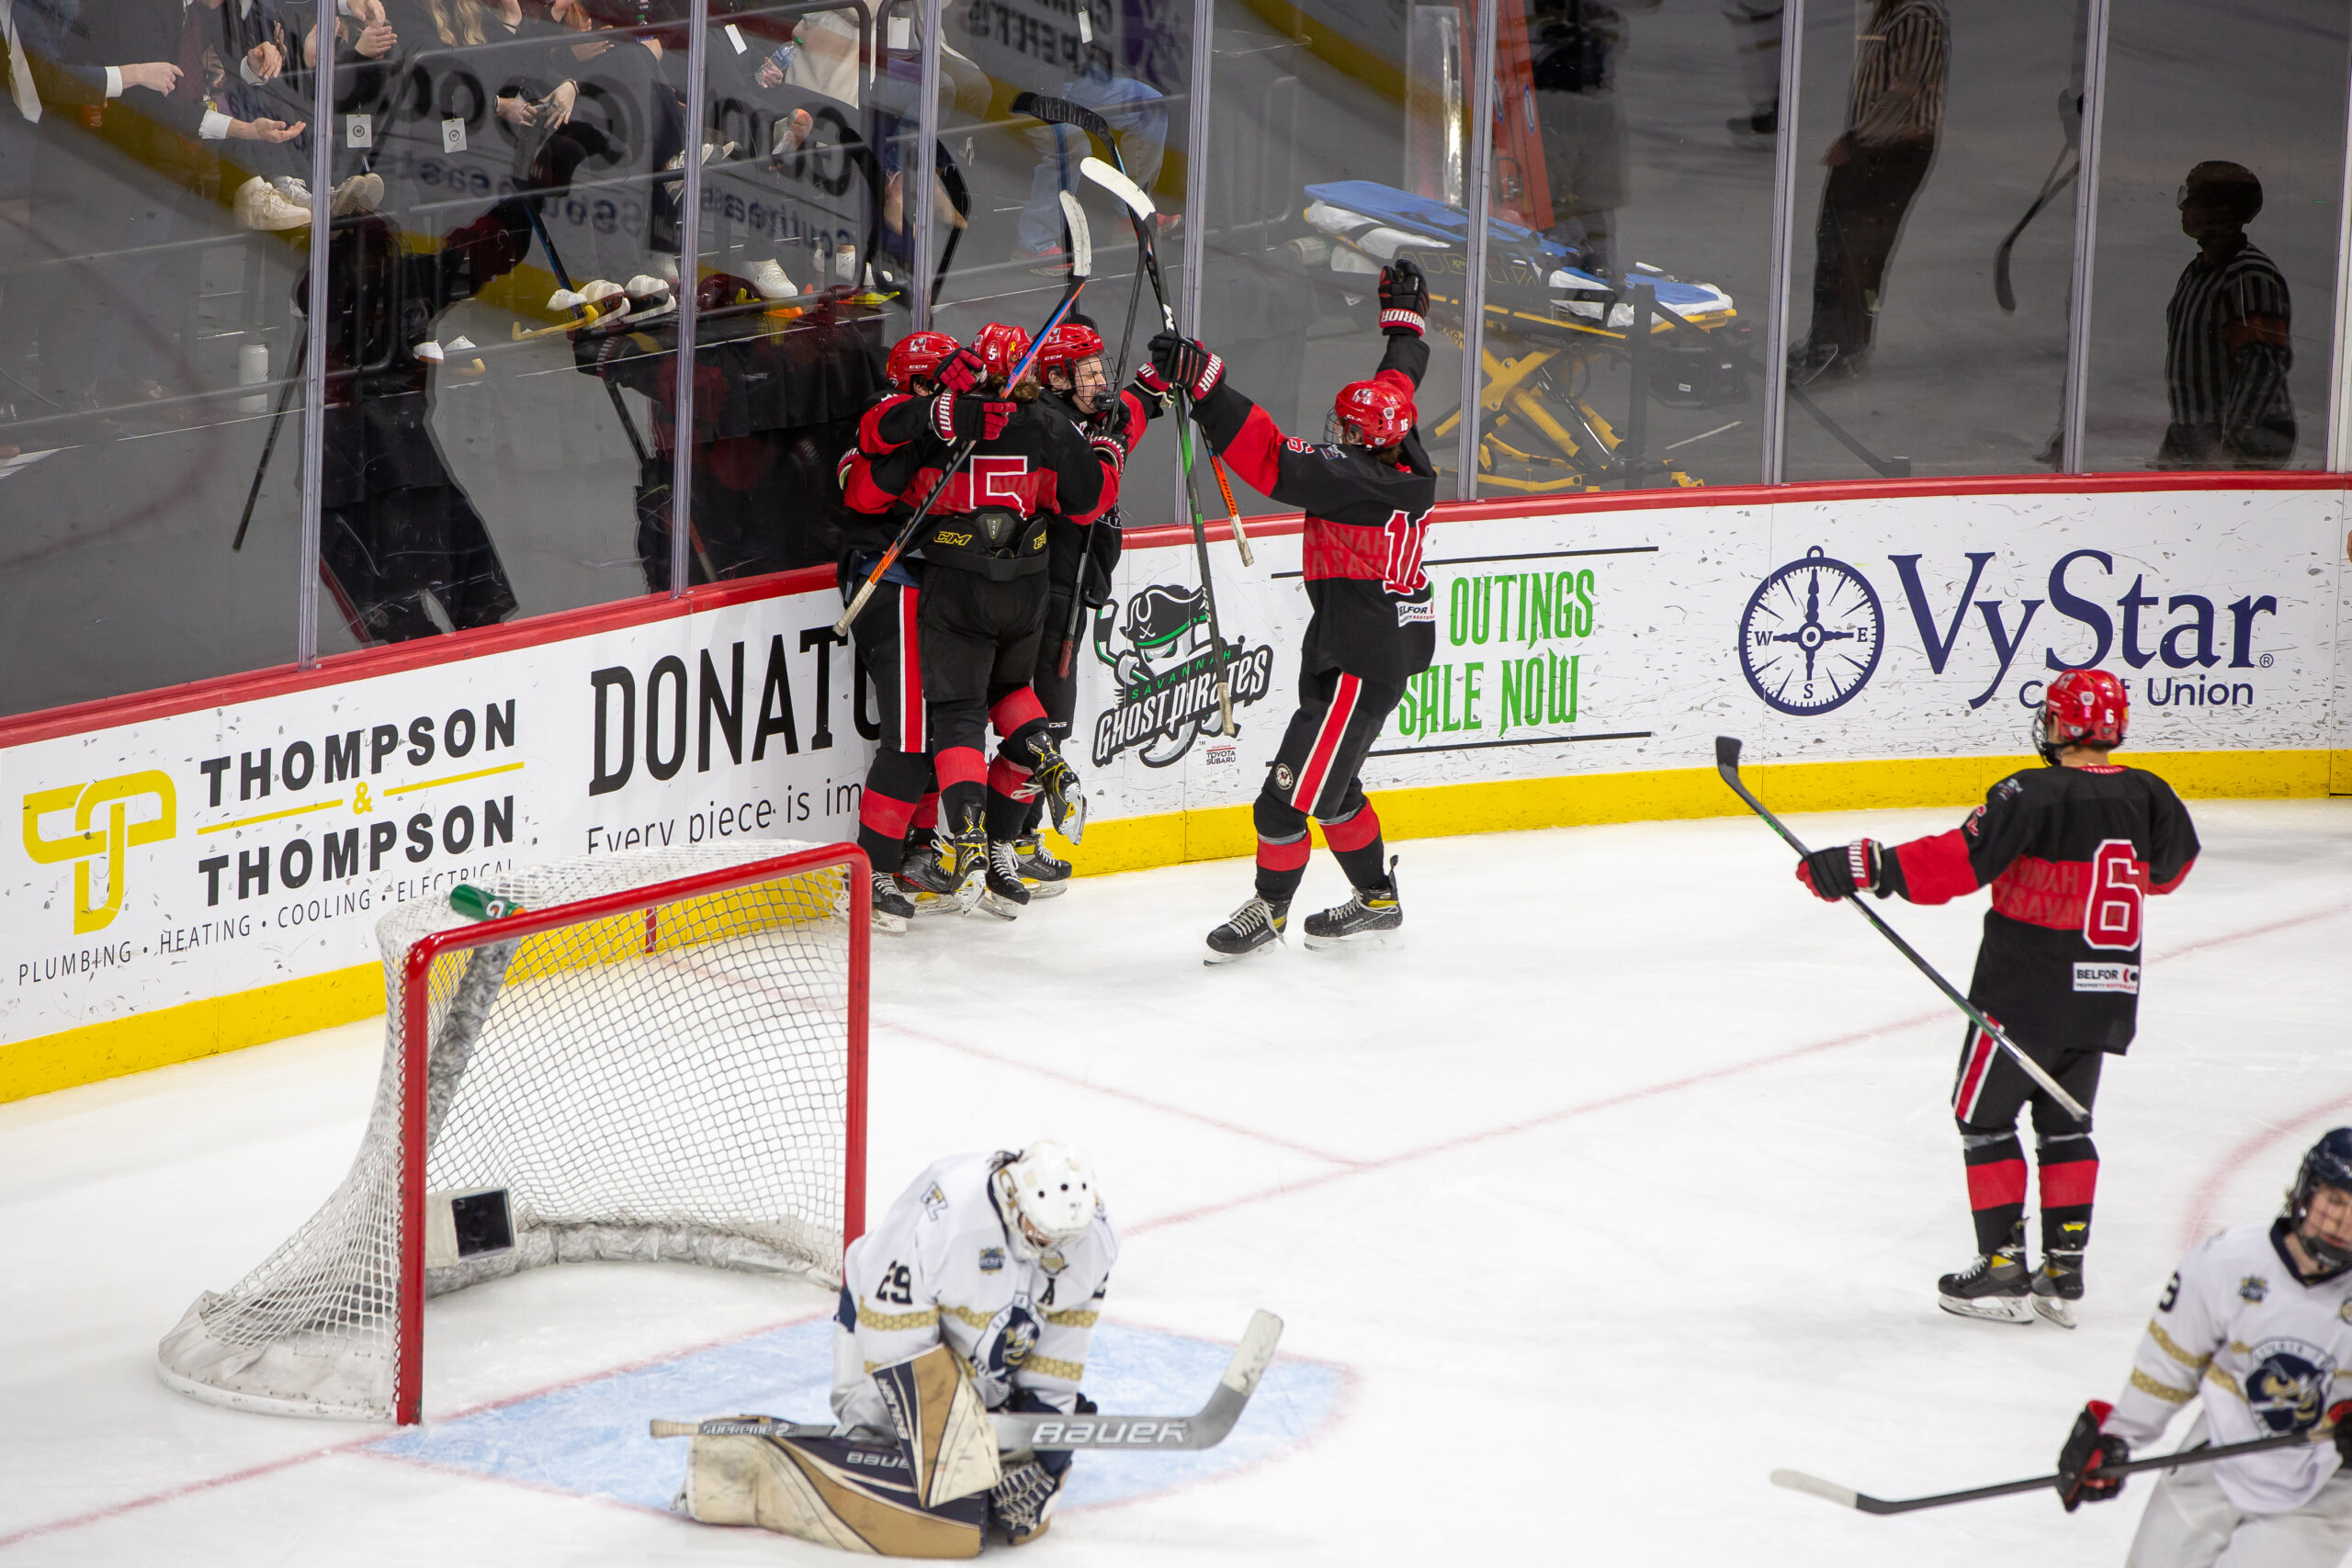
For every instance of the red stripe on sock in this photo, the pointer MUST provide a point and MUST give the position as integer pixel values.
(1284, 857)
(884, 815)
(927, 811)
(1991, 1186)
(960, 764)
(1015, 709)
(2069, 1186)
(1354, 832)
(1005, 776)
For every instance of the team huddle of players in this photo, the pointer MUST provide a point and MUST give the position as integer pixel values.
(974, 629)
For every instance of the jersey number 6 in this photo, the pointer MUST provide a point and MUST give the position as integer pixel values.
(2111, 915)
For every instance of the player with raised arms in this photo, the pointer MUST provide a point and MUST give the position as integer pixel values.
(2258, 1320)
(2071, 850)
(1367, 491)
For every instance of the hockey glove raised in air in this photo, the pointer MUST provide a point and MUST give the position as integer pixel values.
(1404, 298)
(962, 371)
(1152, 391)
(2087, 1452)
(1864, 866)
(968, 417)
(1187, 363)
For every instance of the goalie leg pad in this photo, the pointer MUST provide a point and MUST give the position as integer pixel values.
(942, 1423)
(851, 1496)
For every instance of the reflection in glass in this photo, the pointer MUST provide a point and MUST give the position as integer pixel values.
(2221, 185)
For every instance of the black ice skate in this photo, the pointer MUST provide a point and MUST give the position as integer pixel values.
(2057, 1286)
(1005, 894)
(1999, 1288)
(1253, 926)
(1047, 876)
(1058, 782)
(1373, 916)
(931, 883)
(893, 907)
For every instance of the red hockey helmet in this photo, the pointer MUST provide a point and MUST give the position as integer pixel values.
(1069, 343)
(919, 354)
(1000, 349)
(1372, 412)
(2084, 707)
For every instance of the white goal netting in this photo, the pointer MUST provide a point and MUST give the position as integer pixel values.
(667, 1083)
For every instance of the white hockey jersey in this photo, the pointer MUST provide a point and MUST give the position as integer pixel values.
(2269, 1353)
(939, 1267)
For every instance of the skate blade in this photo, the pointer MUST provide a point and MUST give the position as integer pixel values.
(1045, 889)
(1992, 1309)
(1394, 938)
(2054, 1309)
(1001, 907)
(1211, 957)
(889, 925)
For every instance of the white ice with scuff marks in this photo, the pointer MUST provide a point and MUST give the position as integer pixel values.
(1627, 1181)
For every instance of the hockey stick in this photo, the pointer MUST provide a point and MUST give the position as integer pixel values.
(1728, 764)
(284, 396)
(1204, 1428)
(1062, 111)
(2052, 183)
(1847, 1497)
(1139, 212)
(956, 461)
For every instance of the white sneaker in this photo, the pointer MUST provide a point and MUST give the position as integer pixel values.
(360, 193)
(769, 279)
(262, 207)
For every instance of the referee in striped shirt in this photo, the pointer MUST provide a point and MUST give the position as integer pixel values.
(2226, 351)
(1875, 169)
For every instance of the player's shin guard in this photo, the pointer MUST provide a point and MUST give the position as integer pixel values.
(1996, 1164)
(893, 786)
(1355, 843)
(1283, 847)
(2067, 1167)
(1007, 808)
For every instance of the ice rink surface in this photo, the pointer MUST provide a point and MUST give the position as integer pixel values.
(1625, 1180)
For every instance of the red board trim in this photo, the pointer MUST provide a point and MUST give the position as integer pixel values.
(224, 691)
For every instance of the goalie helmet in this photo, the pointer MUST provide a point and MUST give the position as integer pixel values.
(2082, 707)
(918, 356)
(1000, 349)
(1049, 1188)
(2327, 1163)
(1370, 413)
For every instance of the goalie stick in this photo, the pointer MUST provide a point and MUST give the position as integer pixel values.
(1204, 1428)
(1081, 254)
(1847, 1497)
(1728, 764)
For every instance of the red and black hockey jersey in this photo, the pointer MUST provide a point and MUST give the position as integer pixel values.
(1042, 464)
(1366, 525)
(2070, 855)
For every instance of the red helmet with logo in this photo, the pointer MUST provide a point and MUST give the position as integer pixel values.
(2084, 707)
(919, 354)
(1373, 412)
(1000, 349)
(1069, 343)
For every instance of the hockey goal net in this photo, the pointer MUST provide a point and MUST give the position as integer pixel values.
(661, 1056)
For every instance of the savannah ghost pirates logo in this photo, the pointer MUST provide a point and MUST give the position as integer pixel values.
(1164, 671)
(2288, 1385)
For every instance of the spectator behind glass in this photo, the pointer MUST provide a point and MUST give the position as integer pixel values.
(2226, 334)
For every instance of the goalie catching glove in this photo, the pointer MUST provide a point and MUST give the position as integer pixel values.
(1864, 866)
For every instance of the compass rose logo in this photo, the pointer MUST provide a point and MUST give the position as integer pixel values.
(1810, 636)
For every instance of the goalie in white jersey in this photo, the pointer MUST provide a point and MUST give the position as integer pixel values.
(2258, 1321)
(1003, 1258)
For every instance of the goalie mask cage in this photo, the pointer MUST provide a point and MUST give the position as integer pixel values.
(661, 1056)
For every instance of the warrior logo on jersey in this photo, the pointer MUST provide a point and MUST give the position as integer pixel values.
(1163, 668)
(2287, 1387)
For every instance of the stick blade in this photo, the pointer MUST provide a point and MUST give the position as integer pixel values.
(1827, 1491)
(1727, 752)
(1081, 240)
(1118, 185)
(1251, 1356)
(2003, 295)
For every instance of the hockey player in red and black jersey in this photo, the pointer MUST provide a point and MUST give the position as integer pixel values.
(874, 475)
(2071, 851)
(1367, 492)
(1070, 365)
(982, 609)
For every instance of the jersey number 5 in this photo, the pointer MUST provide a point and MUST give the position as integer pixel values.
(2111, 914)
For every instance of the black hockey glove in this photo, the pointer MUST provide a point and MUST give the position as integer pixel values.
(1187, 363)
(1152, 391)
(2088, 1451)
(1105, 539)
(967, 417)
(1110, 450)
(1864, 866)
(1404, 298)
(2339, 1416)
